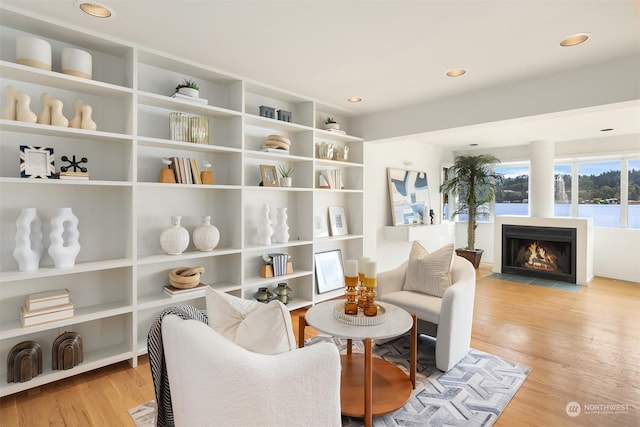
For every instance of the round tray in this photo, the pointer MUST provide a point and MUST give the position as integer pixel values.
(360, 319)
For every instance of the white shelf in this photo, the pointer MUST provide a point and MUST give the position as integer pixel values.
(123, 212)
(409, 233)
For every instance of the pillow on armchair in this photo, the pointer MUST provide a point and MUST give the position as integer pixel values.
(255, 326)
(429, 273)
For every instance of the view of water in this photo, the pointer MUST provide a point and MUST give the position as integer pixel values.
(603, 215)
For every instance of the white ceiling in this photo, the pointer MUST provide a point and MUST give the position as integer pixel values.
(391, 53)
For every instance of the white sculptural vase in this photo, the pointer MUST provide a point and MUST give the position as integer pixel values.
(76, 62)
(28, 249)
(265, 230)
(206, 236)
(64, 244)
(282, 229)
(175, 239)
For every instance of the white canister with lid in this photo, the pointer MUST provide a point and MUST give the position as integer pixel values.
(33, 52)
(76, 62)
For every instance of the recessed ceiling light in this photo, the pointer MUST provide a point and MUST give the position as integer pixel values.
(575, 39)
(95, 9)
(606, 129)
(354, 99)
(456, 72)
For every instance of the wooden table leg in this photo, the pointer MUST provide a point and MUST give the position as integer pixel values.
(368, 380)
(302, 323)
(349, 346)
(414, 351)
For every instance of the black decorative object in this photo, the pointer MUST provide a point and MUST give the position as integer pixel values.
(268, 112)
(24, 362)
(75, 164)
(431, 215)
(285, 116)
(66, 351)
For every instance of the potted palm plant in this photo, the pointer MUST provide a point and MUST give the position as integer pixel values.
(473, 179)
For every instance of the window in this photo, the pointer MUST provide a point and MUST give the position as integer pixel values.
(633, 208)
(599, 192)
(512, 196)
(562, 190)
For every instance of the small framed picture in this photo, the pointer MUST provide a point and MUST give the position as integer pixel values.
(36, 162)
(320, 223)
(338, 221)
(329, 273)
(269, 176)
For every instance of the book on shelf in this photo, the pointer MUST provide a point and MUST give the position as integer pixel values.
(46, 315)
(173, 291)
(338, 131)
(48, 299)
(275, 150)
(74, 175)
(190, 98)
(186, 170)
(195, 171)
(332, 177)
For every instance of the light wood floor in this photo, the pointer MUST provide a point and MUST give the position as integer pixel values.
(583, 347)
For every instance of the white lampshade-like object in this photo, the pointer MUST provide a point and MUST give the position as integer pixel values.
(33, 52)
(76, 62)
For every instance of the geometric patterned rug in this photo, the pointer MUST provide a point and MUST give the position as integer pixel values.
(473, 393)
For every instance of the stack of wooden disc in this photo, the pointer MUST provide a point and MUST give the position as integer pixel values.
(277, 142)
(185, 277)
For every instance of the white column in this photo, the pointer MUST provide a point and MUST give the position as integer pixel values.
(541, 179)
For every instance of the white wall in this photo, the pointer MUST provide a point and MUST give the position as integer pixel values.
(378, 157)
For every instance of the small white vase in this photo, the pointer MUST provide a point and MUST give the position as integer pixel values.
(206, 236)
(188, 91)
(175, 239)
(282, 229)
(265, 230)
(76, 62)
(64, 244)
(28, 250)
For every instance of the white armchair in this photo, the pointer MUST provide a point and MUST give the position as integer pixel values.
(448, 319)
(214, 381)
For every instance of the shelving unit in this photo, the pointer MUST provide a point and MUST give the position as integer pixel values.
(117, 282)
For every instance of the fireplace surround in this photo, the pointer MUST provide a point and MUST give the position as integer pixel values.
(583, 228)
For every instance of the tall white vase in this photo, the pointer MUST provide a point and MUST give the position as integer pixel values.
(265, 230)
(28, 250)
(282, 229)
(64, 245)
(175, 239)
(273, 216)
(206, 236)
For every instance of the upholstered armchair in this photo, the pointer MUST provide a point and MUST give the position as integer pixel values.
(215, 380)
(449, 317)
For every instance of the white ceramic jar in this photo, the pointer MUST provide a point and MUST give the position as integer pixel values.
(76, 62)
(33, 52)
(175, 239)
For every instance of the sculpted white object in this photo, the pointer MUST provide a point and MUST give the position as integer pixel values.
(82, 116)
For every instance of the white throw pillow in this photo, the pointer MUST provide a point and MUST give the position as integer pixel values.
(255, 326)
(429, 273)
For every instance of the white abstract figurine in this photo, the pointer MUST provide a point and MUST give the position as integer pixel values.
(8, 112)
(82, 116)
(51, 112)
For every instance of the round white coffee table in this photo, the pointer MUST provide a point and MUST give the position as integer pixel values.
(363, 394)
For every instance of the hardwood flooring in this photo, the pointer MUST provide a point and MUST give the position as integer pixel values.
(583, 347)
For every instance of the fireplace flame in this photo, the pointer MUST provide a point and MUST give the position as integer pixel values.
(540, 259)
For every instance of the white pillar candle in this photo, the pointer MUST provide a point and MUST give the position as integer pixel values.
(370, 269)
(361, 263)
(351, 268)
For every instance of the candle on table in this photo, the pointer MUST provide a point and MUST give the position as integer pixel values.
(351, 268)
(370, 269)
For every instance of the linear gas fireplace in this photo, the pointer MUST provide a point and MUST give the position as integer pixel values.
(545, 252)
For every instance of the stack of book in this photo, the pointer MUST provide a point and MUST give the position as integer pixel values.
(173, 291)
(331, 178)
(44, 307)
(190, 98)
(74, 175)
(186, 170)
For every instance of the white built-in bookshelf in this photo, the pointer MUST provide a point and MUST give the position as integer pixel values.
(117, 282)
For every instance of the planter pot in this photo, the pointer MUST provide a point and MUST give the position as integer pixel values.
(472, 255)
(285, 181)
(187, 91)
(335, 126)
